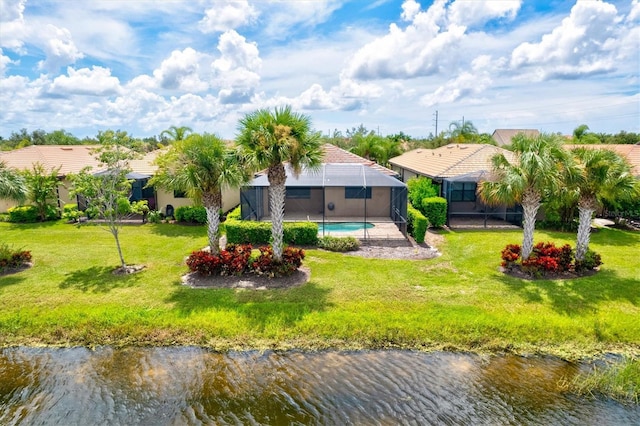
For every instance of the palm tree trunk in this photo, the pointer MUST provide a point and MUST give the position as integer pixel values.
(212, 203)
(586, 208)
(277, 192)
(530, 206)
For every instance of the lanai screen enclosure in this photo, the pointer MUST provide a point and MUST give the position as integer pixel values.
(335, 192)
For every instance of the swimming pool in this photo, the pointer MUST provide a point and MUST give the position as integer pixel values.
(344, 226)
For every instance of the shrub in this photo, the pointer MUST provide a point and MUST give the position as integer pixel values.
(11, 258)
(339, 244)
(155, 216)
(191, 214)
(590, 262)
(235, 214)
(435, 210)
(420, 188)
(233, 260)
(29, 214)
(70, 213)
(510, 255)
(265, 264)
(301, 233)
(417, 225)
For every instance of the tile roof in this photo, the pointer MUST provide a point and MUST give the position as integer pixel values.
(335, 155)
(504, 136)
(70, 158)
(450, 160)
(630, 152)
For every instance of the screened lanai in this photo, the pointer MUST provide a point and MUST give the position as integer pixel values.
(466, 209)
(335, 193)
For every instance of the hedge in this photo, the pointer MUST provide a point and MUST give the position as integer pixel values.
(418, 224)
(435, 210)
(252, 232)
(191, 214)
(29, 214)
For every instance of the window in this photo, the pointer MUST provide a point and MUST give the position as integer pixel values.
(299, 193)
(357, 192)
(179, 194)
(463, 191)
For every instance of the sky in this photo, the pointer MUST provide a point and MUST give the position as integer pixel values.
(391, 66)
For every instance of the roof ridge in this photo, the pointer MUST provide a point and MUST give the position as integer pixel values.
(481, 147)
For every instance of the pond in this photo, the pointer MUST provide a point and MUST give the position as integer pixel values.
(192, 386)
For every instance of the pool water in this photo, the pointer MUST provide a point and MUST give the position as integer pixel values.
(344, 226)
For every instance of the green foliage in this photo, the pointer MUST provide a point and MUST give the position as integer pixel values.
(235, 214)
(12, 184)
(591, 261)
(267, 264)
(12, 258)
(420, 188)
(417, 225)
(191, 214)
(620, 381)
(70, 213)
(155, 216)
(30, 214)
(339, 244)
(42, 189)
(435, 210)
(301, 233)
(547, 259)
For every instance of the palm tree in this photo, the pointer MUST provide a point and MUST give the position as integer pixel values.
(175, 133)
(201, 166)
(462, 131)
(13, 185)
(534, 172)
(268, 140)
(604, 176)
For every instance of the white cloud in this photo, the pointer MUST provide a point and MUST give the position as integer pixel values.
(96, 81)
(4, 63)
(585, 43)
(58, 48)
(227, 15)
(634, 14)
(180, 71)
(236, 70)
(11, 10)
(279, 18)
(468, 13)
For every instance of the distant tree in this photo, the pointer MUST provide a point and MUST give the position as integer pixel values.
(12, 184)
(202, 166)
(268, 140)
(533, 173)
(42, 189)
(603, 176)
(462, 132)
(107, 192)
(581, 135)
(175, 133)
(623, 137)
(61, 137)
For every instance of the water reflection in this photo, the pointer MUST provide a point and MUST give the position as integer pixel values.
(176, 386)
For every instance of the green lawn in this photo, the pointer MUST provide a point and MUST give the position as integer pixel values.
(457, 301)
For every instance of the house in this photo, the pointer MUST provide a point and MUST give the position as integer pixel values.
(456, 169)
(628, 151)
(345, 188)
(504, 136)
(72, 159)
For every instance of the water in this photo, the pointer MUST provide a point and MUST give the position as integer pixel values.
(344, 226)
(193, 386)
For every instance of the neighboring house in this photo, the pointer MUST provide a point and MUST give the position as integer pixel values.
(456, 169)
(628, 151)
(346, 187)
(504, 136)
(73, 158)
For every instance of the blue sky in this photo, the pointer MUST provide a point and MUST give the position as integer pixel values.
(143, 65)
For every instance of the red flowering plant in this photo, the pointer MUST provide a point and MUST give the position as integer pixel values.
(233, 260)
(265, 264)
(510, 255)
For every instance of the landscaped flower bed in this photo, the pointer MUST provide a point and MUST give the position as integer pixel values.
(548, 261)
(11, 259)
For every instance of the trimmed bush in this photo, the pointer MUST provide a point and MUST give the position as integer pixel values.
(70, 213)
(301, 233)
(235, 214)
(265, 264)
(233, 260)
(191, 214)
(420, 188)
(591, 261)
(417, 225)
(435, 210)
(339, 244)
(259, 233)
(29, 214)
(547, 259)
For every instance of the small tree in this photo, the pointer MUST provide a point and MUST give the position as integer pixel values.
(419, 189)
(107, 193)
(42, 186)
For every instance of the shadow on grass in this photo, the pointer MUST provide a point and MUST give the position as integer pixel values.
(98, 279)
(261, 307)
(10, 279)
(175, 229)
(615, 237)
(579, 295)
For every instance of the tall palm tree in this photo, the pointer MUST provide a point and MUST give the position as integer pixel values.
(604, 176)
(462, 131)
(176, 133)
(202, 166)
(268, 140)
(534, 172)
(13, 185)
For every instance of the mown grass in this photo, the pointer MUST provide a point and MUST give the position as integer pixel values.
(457, 301)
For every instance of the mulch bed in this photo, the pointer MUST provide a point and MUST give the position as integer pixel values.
(10, 271)
(248, 281)
(517, 272)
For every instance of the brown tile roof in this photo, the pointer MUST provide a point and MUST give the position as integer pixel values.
(504, 136)
(70, 158)
(450, 160)
(630, 152)
(334, 154)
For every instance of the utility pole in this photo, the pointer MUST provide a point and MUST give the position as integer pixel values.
(436, 120)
